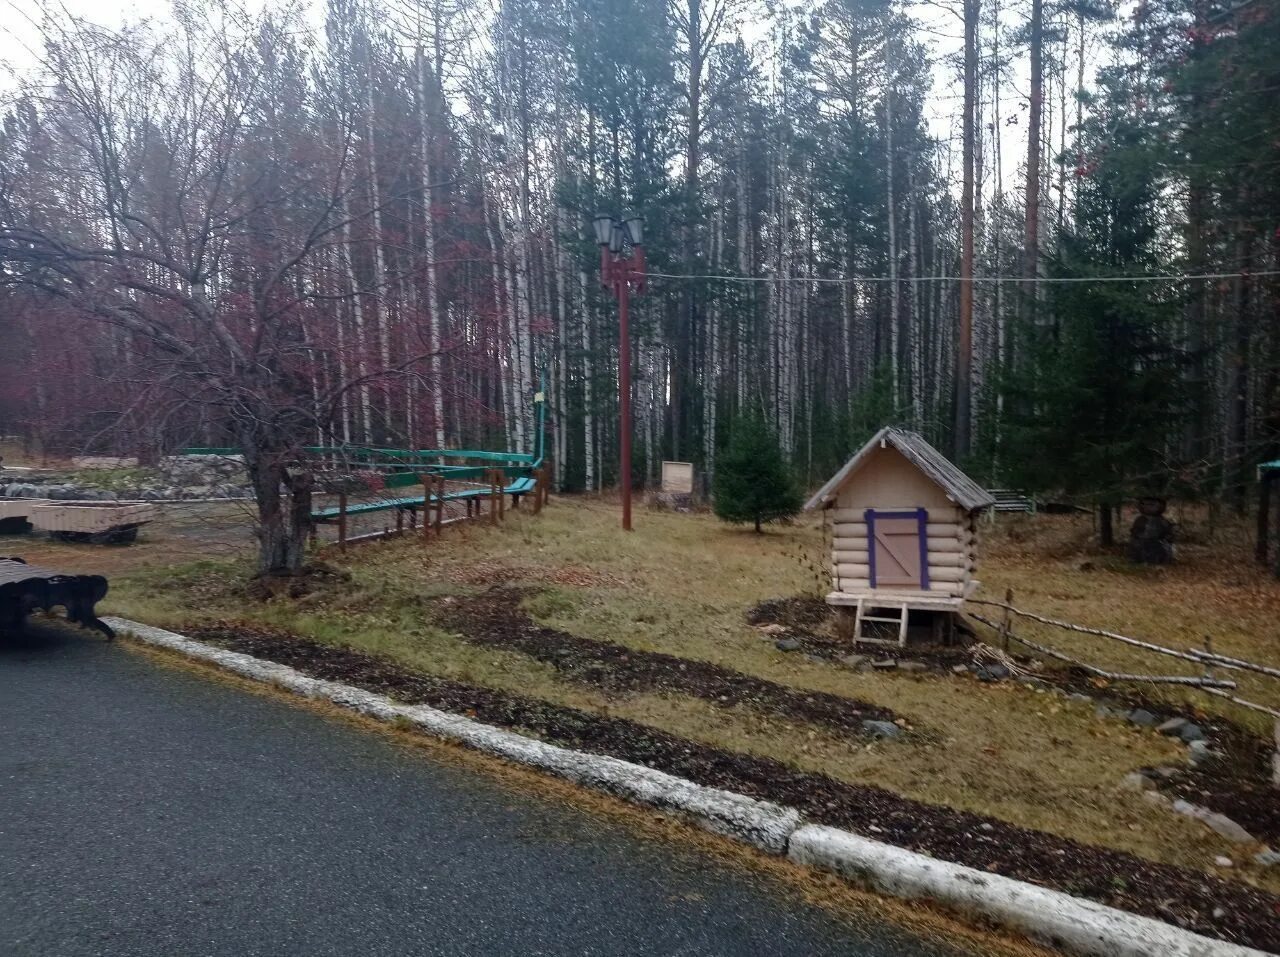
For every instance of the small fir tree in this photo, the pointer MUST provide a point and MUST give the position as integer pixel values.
(753, 482)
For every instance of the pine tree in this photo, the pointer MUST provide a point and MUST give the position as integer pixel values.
(753, 482)
(1098, 404)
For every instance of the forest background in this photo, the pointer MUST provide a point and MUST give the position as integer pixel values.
(224, 226)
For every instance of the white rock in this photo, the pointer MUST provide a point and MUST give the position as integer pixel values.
(1136, 781)
(1227, 827)
(1215, 821)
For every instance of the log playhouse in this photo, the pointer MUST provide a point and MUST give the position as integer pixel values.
(904, 535)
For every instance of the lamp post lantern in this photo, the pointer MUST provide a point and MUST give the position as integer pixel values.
(622, 267)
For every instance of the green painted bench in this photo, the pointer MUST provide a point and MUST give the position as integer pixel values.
(517, 488)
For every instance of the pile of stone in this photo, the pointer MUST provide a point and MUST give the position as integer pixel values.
(179, 478)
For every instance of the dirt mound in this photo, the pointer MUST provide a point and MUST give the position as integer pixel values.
(799, 611)
(496, 619)
(503, 573)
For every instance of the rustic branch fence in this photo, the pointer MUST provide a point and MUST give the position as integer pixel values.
(1208, 659)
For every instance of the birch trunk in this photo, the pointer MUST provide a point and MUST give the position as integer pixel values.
(429, 289)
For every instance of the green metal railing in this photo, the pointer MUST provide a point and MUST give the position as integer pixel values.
(416, 462)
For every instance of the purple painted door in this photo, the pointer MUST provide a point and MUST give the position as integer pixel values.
(897, 548)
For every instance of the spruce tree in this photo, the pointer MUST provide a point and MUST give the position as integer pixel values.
(1097, 406)
(753, 483)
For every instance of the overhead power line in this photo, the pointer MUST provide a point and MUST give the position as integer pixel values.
(1179, 277)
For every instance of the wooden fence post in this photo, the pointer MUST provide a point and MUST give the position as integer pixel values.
(439, 504)
(537, 491)
(426, 507)
(1275, 758)
(495, 497)
(342, 521)
(501, 478)
(1006, 622)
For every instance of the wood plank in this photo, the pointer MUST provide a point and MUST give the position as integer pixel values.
(862, 585)
(940, 531)
(853, 543)
(951, 516)
(850, 557)
(863, 572)
(923, 600)
(936, 559)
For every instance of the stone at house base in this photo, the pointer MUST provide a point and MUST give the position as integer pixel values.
(1136, 781)
(1200, 754)
(1142, 718)
(1227, 827)
(990, 672)
(1191, 733)
(1219, 823)
(881, 729)
(1182, 728)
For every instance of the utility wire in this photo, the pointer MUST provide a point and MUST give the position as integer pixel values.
(1049, 279)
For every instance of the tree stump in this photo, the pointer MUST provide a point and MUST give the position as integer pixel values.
(1151, 536)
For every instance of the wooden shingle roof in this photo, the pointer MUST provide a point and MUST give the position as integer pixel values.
(961, 489)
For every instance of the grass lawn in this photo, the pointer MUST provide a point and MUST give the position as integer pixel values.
(682, 585)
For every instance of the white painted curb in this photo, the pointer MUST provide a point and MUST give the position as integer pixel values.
(759, 823)
(1068, 923)
(1051, 917)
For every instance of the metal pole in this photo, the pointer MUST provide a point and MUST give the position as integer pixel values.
(623, 287)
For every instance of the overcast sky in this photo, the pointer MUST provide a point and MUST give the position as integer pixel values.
(17, 40)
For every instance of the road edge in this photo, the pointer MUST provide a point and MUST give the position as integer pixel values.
(1047, 916)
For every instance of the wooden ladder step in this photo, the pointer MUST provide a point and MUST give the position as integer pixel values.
(861, 618)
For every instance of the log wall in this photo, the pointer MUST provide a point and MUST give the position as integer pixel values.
(952, 543)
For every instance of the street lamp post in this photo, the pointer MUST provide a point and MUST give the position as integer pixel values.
(618, 273)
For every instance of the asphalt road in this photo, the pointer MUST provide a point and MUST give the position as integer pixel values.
(145, 810)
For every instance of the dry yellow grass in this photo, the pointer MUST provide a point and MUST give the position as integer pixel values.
(682, 584)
